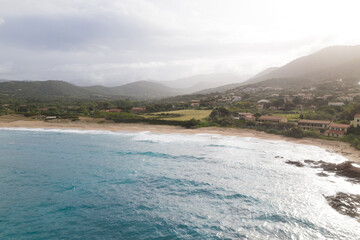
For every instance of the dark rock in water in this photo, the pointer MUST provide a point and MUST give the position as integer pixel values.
(347, 204)
(345, 169)
(322, 174)
(311, 162)
(296, 163)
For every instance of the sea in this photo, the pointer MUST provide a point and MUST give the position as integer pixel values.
(77, 184)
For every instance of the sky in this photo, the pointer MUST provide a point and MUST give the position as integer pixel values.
(112, 42)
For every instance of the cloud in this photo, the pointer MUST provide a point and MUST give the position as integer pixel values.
(109, 42)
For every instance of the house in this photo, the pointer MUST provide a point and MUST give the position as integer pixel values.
(346, 99)
(137, 109)
(236, 99)
(263, 101)
(260, 106)
(306, 124)
(195, 103)
(271, 119)
(337, 130)
(336, 104)
(43, 109)
(356, 122)
(50, 118)
(249, 118)
(243, 114)
(111, 110)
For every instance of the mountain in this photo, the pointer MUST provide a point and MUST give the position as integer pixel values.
(145, 90)
(219, 89)
(197, 83)
(326, 64)
(266, 71)
(59, 89)
(41, 89)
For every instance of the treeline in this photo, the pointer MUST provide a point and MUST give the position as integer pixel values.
(123, 117)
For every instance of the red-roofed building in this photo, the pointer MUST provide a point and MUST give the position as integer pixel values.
(137, 109)
(337, 130)
(271, 119)
(306, 124)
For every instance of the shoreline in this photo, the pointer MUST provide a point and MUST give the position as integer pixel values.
(337, 147)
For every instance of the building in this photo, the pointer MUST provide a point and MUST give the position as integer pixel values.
(50, 118)
(137, 110)
(346, 99)
(236, 99)
(243, 114)
(263, 101)
(249, 118)
(337, 130)
(356, 122)
(111, 110)
(314, 124)
(271, 119)
(336, 104)
(195, 103)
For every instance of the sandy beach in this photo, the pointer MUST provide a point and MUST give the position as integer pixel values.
(11, 121)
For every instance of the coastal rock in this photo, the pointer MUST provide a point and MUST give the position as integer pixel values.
(347, 204)
(345, 169)
(296, 163)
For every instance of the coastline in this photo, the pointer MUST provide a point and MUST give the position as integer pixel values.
(337, 147)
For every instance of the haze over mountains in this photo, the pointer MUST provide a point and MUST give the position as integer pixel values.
(327, 64)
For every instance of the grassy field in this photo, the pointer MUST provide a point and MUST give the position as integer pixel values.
(180, 115)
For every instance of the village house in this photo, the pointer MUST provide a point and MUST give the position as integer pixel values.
(50, 118)
(356, 121)
(195, 103)
(111, 110)
(263, 101)
(313, 124)
(271, 119)
(243, 114)
(249, 118)
(260, 106)
(236, 99)
(137, 109)
(337, 130)
(345, 99)
(336, 104)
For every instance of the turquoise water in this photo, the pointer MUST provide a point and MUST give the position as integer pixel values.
(59, 184)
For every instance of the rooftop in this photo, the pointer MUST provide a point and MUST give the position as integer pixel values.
(340, 125)
(314, 121)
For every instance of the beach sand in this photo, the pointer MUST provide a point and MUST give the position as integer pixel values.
(16, 121)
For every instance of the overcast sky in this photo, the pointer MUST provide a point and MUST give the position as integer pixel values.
(110, 42)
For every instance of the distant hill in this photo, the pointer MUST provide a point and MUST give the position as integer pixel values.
(201, 82)
(326, 64)
(145, 90)
(266, 71)
(219, 89)
(59, 89)
(41, 89)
